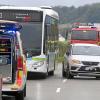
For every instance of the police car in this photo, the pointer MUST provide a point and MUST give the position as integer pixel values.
(83, 60)
(12, 60)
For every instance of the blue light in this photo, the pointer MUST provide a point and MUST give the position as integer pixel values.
(11, 31)
(10, 27)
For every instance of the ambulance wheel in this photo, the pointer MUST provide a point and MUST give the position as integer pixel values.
(20, 95)
(25, 91)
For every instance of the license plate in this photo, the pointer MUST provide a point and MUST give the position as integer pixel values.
(89, 68)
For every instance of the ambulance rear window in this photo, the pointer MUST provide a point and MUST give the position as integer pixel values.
(5, 45)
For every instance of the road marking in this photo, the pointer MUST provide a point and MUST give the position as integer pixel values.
(58, 90)
(64, 81)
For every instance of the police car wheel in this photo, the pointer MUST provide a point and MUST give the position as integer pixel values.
(68, 74)
(97, 77)
(63, 72)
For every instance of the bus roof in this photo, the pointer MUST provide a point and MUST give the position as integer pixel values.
(47, 10)
(20, 8)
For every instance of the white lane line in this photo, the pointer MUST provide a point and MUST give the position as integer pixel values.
(58, 90)
(64, 81)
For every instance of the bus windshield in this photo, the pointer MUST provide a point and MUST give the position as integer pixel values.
(31, 35)
(31, 32)
(83, 35)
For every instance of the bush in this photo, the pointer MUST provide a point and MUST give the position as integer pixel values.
(62, 47)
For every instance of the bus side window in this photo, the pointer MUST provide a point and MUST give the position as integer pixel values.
(45, 40)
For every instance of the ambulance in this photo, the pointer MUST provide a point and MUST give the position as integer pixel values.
(12, 60)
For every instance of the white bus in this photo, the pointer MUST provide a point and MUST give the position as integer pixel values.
(39, 36)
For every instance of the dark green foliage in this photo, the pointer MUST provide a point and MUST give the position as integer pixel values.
(62, 45)
(87, 13)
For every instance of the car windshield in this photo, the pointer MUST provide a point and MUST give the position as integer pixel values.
(86, 50)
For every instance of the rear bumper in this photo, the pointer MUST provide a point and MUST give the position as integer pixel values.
(12, 88)
(10, 95)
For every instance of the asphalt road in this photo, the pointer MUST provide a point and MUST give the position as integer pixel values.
(58, 88)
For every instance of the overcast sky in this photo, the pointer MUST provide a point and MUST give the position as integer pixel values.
(75, 3)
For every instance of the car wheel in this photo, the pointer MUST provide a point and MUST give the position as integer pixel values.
(51, 73)
(68, 74)
(97, 77)
(20, 95)
(63, 71)
(45, 75)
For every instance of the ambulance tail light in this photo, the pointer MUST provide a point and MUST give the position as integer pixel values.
(20, 62)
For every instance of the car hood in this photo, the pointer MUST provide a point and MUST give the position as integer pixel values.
(86, 58)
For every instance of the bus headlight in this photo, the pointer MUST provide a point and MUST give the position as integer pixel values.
(38, 64)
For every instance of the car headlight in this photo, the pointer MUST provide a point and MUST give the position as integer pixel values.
(74, 61)
(38, 64)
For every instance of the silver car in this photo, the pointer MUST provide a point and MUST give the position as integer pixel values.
(83, 60)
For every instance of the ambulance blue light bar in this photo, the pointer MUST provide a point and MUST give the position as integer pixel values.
(9, 25)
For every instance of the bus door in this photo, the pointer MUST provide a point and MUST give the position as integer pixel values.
(51, 61)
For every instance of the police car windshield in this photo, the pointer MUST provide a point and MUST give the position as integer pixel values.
(86, 50)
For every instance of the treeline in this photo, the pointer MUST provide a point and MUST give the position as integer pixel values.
(87, 13)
